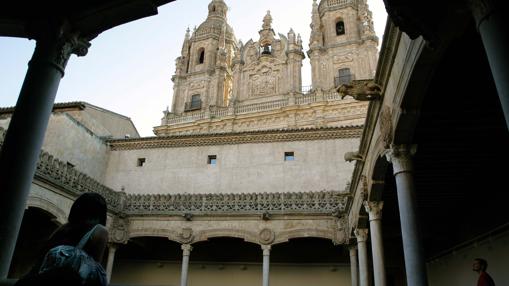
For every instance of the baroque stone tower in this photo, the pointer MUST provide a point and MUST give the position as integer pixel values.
(222, 86)
(203, 77)
(343, 44)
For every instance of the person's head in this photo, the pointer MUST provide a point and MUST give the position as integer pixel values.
(480, 265)
(89, 208)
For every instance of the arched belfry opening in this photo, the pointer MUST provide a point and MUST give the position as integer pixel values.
(201, 56)
(340, 27)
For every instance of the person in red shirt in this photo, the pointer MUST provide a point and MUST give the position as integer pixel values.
(480, 265)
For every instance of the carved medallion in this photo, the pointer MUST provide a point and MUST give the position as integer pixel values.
(186, 235)
(267, 236)
(119, 230)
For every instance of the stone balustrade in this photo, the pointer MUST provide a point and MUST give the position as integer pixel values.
(301, 99)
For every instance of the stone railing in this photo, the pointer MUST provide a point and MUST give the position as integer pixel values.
(300, 99)
(67, 178)
(59, 173)
(323, 202)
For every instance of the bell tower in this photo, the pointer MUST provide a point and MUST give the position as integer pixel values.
(203, 77)
(343, 44)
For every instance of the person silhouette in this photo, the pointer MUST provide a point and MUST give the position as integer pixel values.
(88, 212)
(480, 265)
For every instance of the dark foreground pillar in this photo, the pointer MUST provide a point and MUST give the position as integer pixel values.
(491, 22)
(24, 138)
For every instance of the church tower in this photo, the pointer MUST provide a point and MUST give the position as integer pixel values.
(203, 77)
(343, 44)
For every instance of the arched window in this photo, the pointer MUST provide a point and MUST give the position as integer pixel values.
(194, 104)
(340, 27)
(213, 8)
(344, 77)
(201, 56)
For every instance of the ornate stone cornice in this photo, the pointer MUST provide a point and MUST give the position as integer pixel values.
(237, 138)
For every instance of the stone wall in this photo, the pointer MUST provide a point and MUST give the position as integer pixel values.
(72, 142)
(130, 272)
(241, 168)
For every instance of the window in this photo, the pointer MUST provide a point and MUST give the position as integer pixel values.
(141, 161)
(344, 77)
(340, 28)
(212, 160)
(289, 156)
(201, 57)
(195, 101)
(266, 50)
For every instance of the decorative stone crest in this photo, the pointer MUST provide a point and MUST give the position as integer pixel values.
(267, 236)
(119, 232)
(386, 126)
(186, 235)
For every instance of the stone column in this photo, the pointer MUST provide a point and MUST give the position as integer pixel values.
(266, 263)
(29, 121)
(374, 210)
(362, 236)
(491, 22)
(400, 157)
(354, 271)
(186, 251)
(112, 248)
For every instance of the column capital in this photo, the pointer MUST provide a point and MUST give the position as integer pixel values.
(374, 209)
(266, 249)
(481, 9)
(352, 247)
(186, 249)
(57, 42)
(401, 157)
(361, 234)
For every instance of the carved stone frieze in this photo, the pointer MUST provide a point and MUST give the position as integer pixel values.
(324, 202)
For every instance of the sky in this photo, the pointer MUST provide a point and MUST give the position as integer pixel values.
(128, 69)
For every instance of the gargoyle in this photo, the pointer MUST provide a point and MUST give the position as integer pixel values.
(360, 90)
(351, 156)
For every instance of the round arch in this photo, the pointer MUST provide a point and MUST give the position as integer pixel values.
(60, 216)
